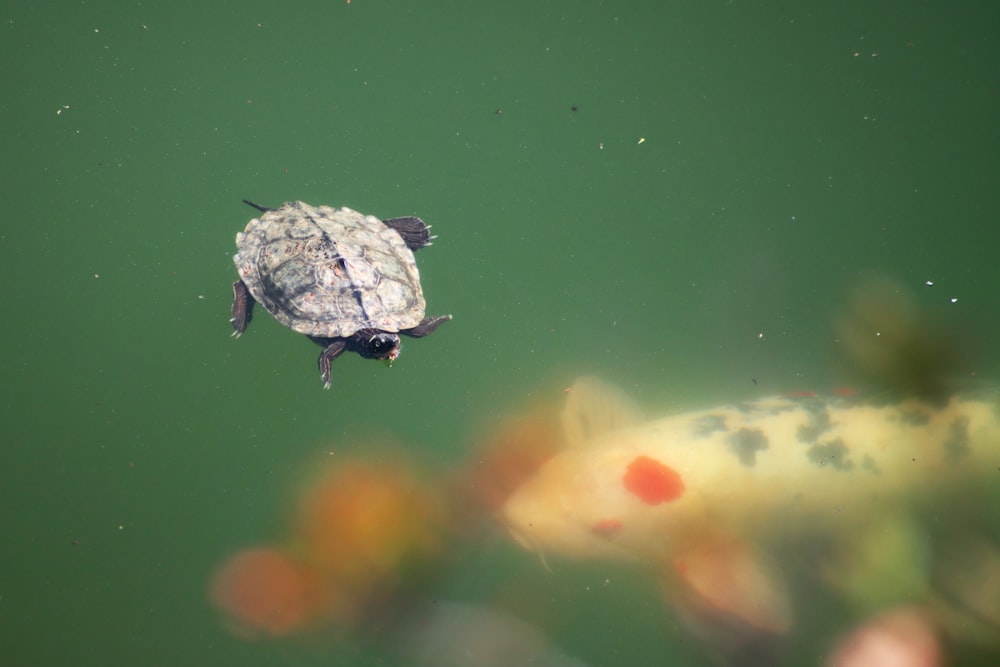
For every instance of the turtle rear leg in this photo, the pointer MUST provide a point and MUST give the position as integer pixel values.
(332, 348)
(262, 209)
(415, 232)
(428, 325)
(242, 308)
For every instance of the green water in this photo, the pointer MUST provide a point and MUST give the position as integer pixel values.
(634, 189)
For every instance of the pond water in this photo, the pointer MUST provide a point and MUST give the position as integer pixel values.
(675, 198)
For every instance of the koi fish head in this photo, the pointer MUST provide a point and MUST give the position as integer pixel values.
(603, 492)
(595, 503)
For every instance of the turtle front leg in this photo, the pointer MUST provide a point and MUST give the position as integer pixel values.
(428, 325)
(242, 308)
(332, 348)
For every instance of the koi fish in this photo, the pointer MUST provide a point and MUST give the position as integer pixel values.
(712, 498)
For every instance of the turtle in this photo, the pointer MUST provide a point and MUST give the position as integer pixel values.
(346, 280)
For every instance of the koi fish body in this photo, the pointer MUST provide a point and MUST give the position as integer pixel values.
(700, 490)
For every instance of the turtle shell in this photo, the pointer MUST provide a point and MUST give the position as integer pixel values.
(329, 272)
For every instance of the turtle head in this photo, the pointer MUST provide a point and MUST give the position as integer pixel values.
(373, 344)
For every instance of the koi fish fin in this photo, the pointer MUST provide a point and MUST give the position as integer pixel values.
(594, 408)
(728, 587)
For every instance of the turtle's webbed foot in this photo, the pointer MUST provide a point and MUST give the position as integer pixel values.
(242, 311)
(326, 357)
(428, 325)
(324, 371)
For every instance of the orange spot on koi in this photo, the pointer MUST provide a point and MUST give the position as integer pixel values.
(652, 482)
